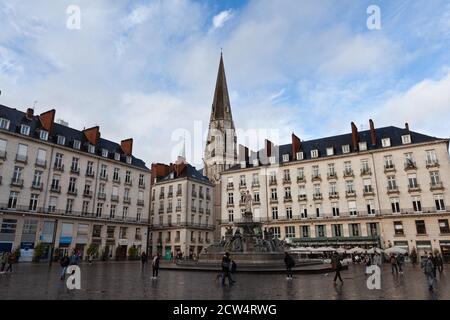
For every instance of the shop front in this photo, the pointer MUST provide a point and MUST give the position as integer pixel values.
(423, 247)
(445, 249)
(26, 251)
(121, 251)
(167, 252)
(46, 239)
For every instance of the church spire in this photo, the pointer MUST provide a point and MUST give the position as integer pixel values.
(221, 109)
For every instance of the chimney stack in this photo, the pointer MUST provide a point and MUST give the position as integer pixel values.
(268, 145)
(92, 135)
(296, 143)
(47, 119)
(355, 137)
(127, 146)
(407, 126)
(373, 136)
(30, 113)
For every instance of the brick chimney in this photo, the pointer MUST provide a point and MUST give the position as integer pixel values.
(296, 143)
(268, 146)
(159, 170)
(47, 119)
(92, 135)
(373, 136)
(127, 146)
(30, 113)
(355, 137)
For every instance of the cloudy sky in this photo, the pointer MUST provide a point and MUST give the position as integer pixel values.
(147, 69)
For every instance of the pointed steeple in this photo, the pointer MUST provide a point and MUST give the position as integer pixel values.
(221, 109)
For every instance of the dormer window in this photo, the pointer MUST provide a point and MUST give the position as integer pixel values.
(346, 148)
(24, 129)
(386, 142)
(285, 157)
(4, 123)
(43, 135)
(129, 159)
(363, 146)
(314, 153)
(76, 144)
(117, 156)
(272, 160)
(255, 162)
(330, 151)
(91, 148)
(300, 156)
(406, 139)
(104, 153)
(61, 140)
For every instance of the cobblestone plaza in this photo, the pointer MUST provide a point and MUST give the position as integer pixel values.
(126, 280)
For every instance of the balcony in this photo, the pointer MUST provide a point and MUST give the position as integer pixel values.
(37, 185)
(200, 240)
(368, 191)
(179, 193)
(58, 167)
(208, 197)
(348, 173)
(193, 209)
(194, 194)
(316, 177)
(192, 240)
(114, 198)
(128, 182)
(16, 182)
(21, 158)
(90, 173)
(126, 200)
(389, 168)
(432, 164)
(161, 196)
(168, 240)
(366, 172)
(72, 191)
(242, 185)
(41, 163)
(104, 177)
(3, 154)
(333, 195)
(170, 195)
(272, 182)
(273, 200)
(350, 194)
(55, 188)
(200, 210)
(410, 165)
(436, 186)
(201, 195)
(286, 180)
(177, 240)
(178, 209)
(302, 197)
(75, 170)
(414, 188)
(101, 196)
(230, 204)
(161, 210)
(207, 241)
(208, 211)
(140, 202)
(230, 186)
(169, 210)
(317, 196)
(332, 175)
(116, 179)
(142, 185)
(87, 193)
(287, 199)
(393, 190)
(301, 179)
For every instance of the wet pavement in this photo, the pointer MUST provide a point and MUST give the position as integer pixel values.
(126, 280)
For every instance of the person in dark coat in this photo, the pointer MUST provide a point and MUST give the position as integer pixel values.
(64, 262)
(10, 259)
(155, 266)
(290, 263)
(144, 259)
(226, 265)
(440, 262)
(429, 270)
(337, 267)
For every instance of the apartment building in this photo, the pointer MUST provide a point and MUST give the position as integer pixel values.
(67, 189)
(380, 187)
(181, 212)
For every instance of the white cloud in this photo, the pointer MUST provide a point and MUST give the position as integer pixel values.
(220, 19)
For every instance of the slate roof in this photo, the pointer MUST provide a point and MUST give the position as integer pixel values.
(188, 172)
(394, 133)
(17, 118)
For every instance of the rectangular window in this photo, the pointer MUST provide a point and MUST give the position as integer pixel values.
(4, 123)
(386, 142)
(406, 139)
(25, 130)
(372, 229)
(43, 135)
(104, 153)
(304, 232)
(443, 226)
(417, 205)
(275, 213)
(420, 227)
(290, 231)
(321, 231)
(330, 151)
(76, 144)
(8, 226)
(354, 229)
(337, 230)
(346, 148)
(398, 228)
(352, 208)
(395, 205)
(12, 202)
(61, 140)
(439, 202)
(314, 153)
(363, 146)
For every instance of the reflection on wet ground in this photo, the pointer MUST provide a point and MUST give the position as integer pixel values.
(128, 281)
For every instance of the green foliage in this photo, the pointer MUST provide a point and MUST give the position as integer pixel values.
(38, 251)
(92, 250)
(133, 253)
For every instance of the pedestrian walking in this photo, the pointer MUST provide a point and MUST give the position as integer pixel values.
(428, 270)
(400, 262)
(73, 259)
(414, 257)
(233, 268)
(144, 259)
(440, 262)
(3, 261)
(10, 261)
(394, 264)
(64, 262)
(226, 263)
(337, 267)
(90, 258)
(155, 266)
(434, 260)
(290, 263)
